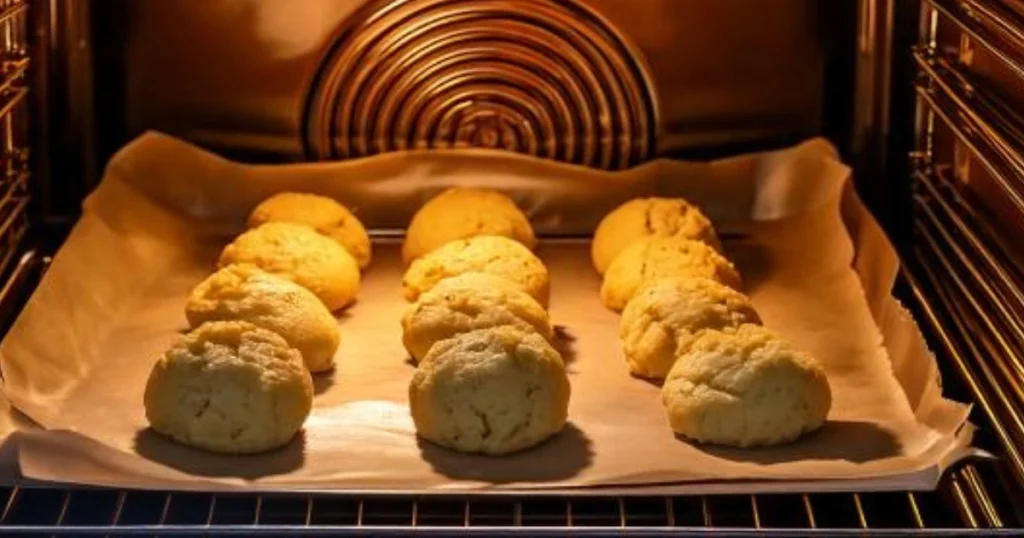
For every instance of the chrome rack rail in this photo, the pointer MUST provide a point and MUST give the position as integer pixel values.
(981, 296)
(92, 512)
(967, 285)
(981, 122)
(990, 24)
(14, 169)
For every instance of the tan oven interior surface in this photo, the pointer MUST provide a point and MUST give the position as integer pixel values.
(599, 82)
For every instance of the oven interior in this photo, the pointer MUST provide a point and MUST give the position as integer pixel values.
(923, 98)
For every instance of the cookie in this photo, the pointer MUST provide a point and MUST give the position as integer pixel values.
(491, 391)
(321, 213)
(229, 387)
(647, 217)
(653, 258)
(494, 255)
(243, 292)
(460, 213)
(746, 388)
(466, 303)
(662, 320)
(300, 254)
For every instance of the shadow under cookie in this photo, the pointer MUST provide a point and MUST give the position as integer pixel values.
(166, 451)
(565, 343)
(559, 458)
(754, 263)
(852, 441)
(323, 381)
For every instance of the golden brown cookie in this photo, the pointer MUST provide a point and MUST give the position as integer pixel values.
(746, 388)
(662, 320)
(492, 391)
(654, 258)
(468, 302)
(230, 387)
(493, 255)
(321, 213)
(300, 254)
(646, 217)
(460, 213)
(244, 292)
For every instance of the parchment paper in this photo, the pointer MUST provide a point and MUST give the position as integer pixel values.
(815, 263)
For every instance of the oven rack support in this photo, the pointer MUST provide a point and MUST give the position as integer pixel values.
(94, 512)
(957, 248)
(14, 117)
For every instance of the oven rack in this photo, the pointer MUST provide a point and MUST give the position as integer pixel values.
(972, 278)
(957, 248)
(14, 167)
(990, 24)
(81, 512)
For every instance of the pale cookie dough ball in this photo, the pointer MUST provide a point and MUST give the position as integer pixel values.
(230, 387)
(321, 213)
(493, 391)
(654, 258)
(746, 388)
(645, 217)
(493, 255)
(244, 292)
(300, 254)
(460, 213)
(662, 320)
(466, 303)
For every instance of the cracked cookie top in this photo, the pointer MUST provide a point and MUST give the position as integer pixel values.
(490, 254)
(321, 213)
(243, 292)
(459, 213)
(491, 391)
(468, 302)
(302, 255)
(647, 217)
(662, 320)
(749, 387)
(653, 258)
(230, 387)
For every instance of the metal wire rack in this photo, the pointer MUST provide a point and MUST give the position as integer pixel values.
(14, 170)
(102, 511)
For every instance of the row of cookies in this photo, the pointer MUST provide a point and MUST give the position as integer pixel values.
(727, 379)
(488, 378)
(240, 381)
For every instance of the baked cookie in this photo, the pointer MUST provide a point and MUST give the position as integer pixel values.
(645, 217)
(244, 292)
(300, 254)
(468, 302)
(459, 213)
(231, 387)
(493, 391)
(653, 258)
(746, 388)
(321, 213)
(661, 321)
(494, 255)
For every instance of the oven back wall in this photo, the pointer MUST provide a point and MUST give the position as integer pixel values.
(237, 75)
